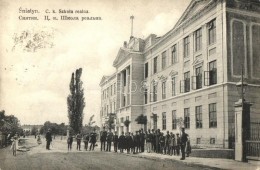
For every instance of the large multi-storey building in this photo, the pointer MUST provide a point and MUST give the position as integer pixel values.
(188, 76)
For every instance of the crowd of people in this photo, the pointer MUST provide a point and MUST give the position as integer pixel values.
(152, 141)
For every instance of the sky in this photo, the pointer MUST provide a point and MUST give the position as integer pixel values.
(37, 57)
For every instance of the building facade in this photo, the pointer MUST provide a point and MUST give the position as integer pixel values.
(187, 78)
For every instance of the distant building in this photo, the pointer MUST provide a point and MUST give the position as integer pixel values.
(28, 128)
(188, 76)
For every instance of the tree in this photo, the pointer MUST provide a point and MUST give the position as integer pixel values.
(110, 123)
(127, 123)
(141, 119)
(34, 130)
(76, 102)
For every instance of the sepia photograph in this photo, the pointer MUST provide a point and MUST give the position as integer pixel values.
(129, 84)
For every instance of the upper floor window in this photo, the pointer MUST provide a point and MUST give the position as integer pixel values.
(164, 90)
(174, 54)
(186, 46)
(146, 70)
(145, 96)
(212, 32)
(173, 86)
(213, 72)
(187, 82)
(211, 75)
(198, 72)
(155, 65)
(155, 92)
(198, 40)
(164, 58)
(114, 88)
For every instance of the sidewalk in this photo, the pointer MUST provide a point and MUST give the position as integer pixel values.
(210, 162)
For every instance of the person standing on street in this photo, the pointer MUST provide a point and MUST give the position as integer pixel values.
(184, 139)
(69, 141)
(86, 140)
(167, 143)
(115, 140)
(142, 140)
(48, 139)
(103, 136)
(93, 140)
(121, 143)
(78, 137)
(178, 144)
(109, 140)
(148, 141)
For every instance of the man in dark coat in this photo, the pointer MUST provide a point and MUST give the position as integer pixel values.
(86, 140)
(157, 142)
(121, 142)
(78, 138)
(137, 142)
(48, 139)
(109, 140)
(129, 142)
(178, 144)
(184, 139)
(148, 141)
(153, 140)
(142, 140)
(93, 140)
(103, 136)
(115, 140)
(167, 143)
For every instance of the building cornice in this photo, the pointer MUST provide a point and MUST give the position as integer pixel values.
(177, 28)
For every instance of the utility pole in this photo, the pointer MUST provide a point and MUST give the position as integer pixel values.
(132, 25)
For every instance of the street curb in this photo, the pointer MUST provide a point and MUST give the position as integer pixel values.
(173, 160)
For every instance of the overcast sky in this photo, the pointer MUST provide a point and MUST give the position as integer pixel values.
(34, 85)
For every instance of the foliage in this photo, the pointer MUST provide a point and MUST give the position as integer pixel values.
(111, 121)
(9, 124)
(127, 122)
(58, 129)
(76, 102)
(141, 119)
(34, 130)
(91, 121)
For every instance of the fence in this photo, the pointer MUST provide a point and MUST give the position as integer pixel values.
(253, 145)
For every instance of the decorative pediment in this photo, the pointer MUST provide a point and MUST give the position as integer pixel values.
(154, 82)
(145, 85)
(162, 78)
(198, 61)
(195, 7)
(121, 56)
(173, 73)
(104, 78)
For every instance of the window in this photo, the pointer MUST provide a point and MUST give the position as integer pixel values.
(213, 72)
(124, 77)
(198, 141)
(212, 140)
(199, 77)
(164, 121)
(212, 32)
(187, 118)
(155, 65)
(173, 86)
(187, 82)
(115, 88)
(122, 120)
(111, 92)
(145, 96)
(114, 106)
(127, 117)
(174, 120)
(212, 115)
(198, 116)
(198, 40)
(174, 54)
(155, 92)
(186, 46)
(146, 70)
(164, 60)
(164, 90)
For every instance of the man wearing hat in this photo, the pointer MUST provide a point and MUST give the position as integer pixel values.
(184, 139)
(178, 144)
(48, 139)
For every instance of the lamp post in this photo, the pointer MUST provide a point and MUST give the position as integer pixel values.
(242, 120)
